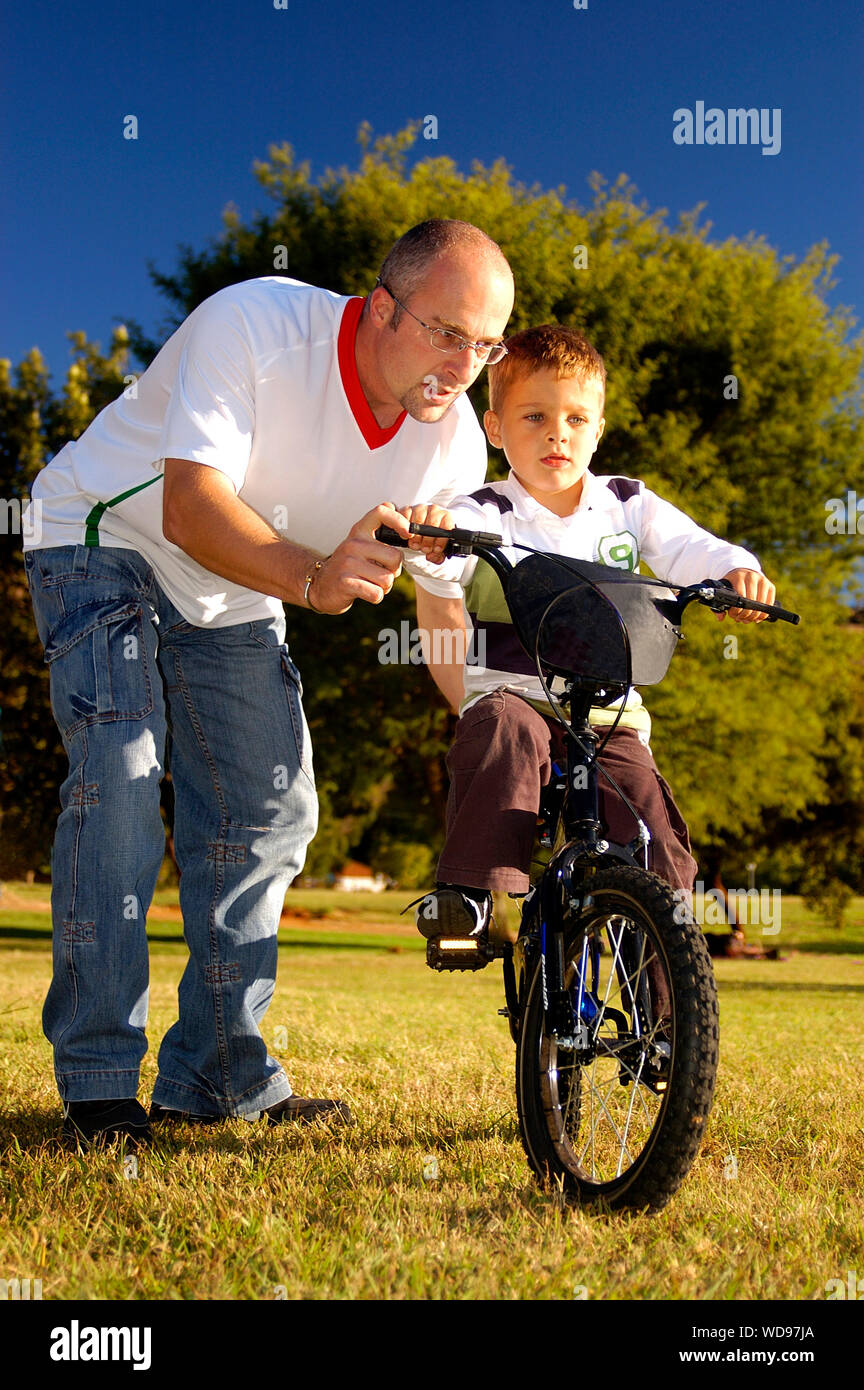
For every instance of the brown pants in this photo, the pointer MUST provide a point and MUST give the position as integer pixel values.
(502, 757)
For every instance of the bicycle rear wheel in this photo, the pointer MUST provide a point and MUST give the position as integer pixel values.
(616, 1113)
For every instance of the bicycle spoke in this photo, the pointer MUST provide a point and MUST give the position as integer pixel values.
(604, 1122)
(604, 1111)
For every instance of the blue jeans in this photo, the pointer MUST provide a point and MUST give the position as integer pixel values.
(130, 678)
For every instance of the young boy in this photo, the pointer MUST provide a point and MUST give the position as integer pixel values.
(546, 412)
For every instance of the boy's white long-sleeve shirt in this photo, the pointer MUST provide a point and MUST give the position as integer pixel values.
(618, 522)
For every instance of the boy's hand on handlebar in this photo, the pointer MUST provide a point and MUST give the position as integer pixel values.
(360, 567)
(753, 585)
(427, 514)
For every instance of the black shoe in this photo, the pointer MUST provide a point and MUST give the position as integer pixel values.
(161, 1114)
(450, 912)
(87, 1122)
(305, 1110)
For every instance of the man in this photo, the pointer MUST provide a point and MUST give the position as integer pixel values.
(172, 532)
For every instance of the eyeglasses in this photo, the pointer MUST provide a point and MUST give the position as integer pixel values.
(444, 340)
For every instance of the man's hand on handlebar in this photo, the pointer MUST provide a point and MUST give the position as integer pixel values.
(360, 567)
(753, 585)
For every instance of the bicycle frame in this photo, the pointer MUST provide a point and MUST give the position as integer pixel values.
(575, 803)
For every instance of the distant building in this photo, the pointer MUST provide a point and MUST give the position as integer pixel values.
(359, 878)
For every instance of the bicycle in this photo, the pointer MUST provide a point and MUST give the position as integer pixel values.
(609, 988)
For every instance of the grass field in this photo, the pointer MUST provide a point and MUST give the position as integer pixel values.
(428, 1195)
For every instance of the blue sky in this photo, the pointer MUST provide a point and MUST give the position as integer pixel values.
(554, 90)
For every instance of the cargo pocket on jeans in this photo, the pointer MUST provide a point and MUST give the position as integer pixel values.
(99, 668)
(294, 692)
(474, 733)
(677, 823)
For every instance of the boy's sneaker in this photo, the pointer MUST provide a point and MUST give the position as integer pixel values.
(87, 1122)
(450, 912)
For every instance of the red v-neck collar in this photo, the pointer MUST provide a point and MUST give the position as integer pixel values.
(360, 408)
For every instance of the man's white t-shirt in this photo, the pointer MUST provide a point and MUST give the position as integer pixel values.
(259, 382)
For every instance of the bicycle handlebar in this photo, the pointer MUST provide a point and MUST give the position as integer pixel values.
(716, 594)
(719, 596)
(462, 541)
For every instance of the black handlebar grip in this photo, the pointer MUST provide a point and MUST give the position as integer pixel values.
(783, 615)
(458, 539)
(776, 614)
(387, 536)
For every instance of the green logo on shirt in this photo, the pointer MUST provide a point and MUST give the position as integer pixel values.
(620, 550)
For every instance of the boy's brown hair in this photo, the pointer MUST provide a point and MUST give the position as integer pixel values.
(551, 347)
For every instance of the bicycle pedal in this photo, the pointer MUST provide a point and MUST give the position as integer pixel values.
(458, 953)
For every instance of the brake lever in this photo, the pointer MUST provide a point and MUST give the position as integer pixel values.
(774, 616)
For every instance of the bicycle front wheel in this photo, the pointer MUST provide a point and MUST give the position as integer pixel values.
(615, 1113)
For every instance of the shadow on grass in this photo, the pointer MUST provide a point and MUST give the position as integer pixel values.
(788, 987)
(32, 1130)
(13, 938)
(387, 946)
(842, 947)
(445, 1135)
(38, 1132)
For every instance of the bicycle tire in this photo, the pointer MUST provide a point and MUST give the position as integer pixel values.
(596, 1120)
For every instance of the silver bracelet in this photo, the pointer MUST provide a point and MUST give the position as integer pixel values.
(319, 565)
